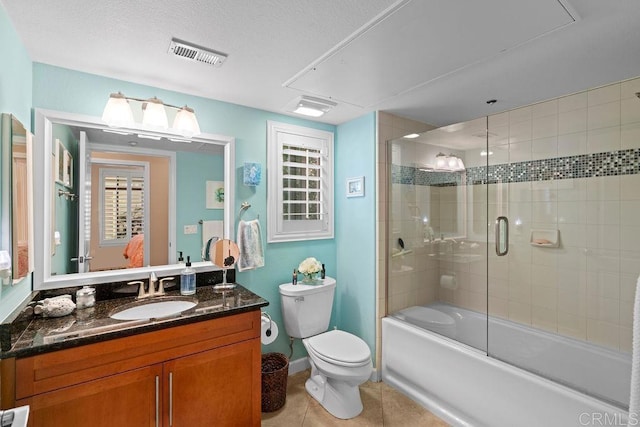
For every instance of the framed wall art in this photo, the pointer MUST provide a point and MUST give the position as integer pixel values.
(355, 186)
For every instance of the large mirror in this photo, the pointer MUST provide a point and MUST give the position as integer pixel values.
(119, 203)
(17, 229)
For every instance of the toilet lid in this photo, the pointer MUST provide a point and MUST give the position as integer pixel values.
(340, 348)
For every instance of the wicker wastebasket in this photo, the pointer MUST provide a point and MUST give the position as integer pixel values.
(275, 369)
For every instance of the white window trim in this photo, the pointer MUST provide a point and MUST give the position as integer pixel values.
(277, 133)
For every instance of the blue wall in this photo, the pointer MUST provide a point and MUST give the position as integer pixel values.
(62, 89)
(26, 85)
(15, 73)
(66, 211)
(356, 229)
(193, 170)
(15, 98)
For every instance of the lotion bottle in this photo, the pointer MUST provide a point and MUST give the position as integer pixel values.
(188, 279)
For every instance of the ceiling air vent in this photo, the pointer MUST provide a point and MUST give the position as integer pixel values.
(196, 53)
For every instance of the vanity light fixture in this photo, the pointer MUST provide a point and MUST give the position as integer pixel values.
(449, 162)
(153, 114)
(118, 114)
(458, 164)
(441, 161)
(311, 106)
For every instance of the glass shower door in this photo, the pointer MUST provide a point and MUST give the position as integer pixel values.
(559, 300)
(437, 276)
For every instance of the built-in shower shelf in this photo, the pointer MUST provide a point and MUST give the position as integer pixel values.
(545, 238)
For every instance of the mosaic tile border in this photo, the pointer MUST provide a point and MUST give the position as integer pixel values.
(416, 176)
(611, 163)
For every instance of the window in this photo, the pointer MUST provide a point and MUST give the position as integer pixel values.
(122, 205)
(300, 177)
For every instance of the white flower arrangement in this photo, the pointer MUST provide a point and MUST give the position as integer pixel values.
(310, 266)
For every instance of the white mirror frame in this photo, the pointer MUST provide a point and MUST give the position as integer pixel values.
(43, 185)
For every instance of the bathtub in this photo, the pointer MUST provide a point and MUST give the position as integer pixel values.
(459, 383)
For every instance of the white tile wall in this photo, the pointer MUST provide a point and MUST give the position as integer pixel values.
(583, 289)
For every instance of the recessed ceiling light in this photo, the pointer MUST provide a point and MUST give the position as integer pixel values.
(311, 106)
(411, 136)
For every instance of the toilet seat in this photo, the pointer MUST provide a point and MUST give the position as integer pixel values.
(339, 348)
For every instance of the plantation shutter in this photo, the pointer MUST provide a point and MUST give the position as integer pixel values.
(301, 179)
(122, 205)
(300, 183)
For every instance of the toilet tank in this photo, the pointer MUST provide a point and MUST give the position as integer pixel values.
(306, 309)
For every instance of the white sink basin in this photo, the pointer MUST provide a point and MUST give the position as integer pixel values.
(153, 309)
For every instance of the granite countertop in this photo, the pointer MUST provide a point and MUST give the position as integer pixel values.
(28, 335)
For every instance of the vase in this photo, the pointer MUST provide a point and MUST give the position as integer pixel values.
(309, 278)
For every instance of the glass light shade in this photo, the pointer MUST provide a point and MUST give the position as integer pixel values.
(154, 114)
(308, 111)
(117, 112)
(186, 122)
(441, 161)
(460, 166)
(452, 162)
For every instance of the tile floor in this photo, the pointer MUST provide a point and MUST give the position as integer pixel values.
(383, 406)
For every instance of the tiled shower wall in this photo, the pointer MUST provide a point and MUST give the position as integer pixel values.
(591, 194)
(389, 127)
(570, 164)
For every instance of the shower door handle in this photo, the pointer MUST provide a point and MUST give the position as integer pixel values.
(502, 236)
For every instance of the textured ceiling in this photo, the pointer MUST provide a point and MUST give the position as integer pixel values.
(464, 55)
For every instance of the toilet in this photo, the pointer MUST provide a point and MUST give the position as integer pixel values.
(340, 361)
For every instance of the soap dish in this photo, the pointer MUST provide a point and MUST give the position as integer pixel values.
(545, 238)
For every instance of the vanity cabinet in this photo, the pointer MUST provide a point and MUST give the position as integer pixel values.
(126, 399)
(200, 374)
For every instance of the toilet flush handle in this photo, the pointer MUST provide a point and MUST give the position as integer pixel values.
(299, 299)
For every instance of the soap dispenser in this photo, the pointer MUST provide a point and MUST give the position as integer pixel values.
(180, 259)
(188, 279)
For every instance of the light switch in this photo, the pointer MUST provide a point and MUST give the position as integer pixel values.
(190, 229)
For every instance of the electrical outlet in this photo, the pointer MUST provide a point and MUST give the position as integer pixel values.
(190, 229)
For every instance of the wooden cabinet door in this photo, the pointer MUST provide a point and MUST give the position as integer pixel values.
(127, 399)
(219, 387)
